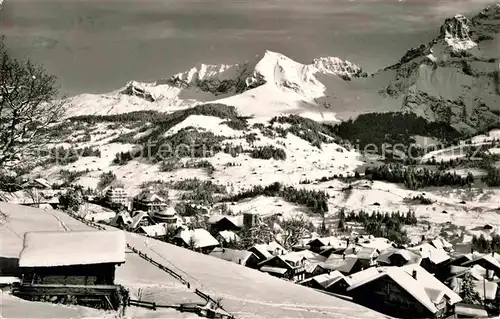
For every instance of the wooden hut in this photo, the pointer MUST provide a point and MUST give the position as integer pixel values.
(73, 265)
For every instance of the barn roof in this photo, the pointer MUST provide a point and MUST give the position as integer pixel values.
(233, 255)
(200, 237)
(50, 249)
(427, 289)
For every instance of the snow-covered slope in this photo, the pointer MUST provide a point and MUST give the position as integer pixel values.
(245, 293)
(282, 79)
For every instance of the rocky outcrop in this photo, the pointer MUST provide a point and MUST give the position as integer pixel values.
(137, 89)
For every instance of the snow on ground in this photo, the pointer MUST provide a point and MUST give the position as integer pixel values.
(271, 297)
(245, 292)
(12, 307)
(263, 205)
(207, 123)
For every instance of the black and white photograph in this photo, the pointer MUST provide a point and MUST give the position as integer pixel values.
(249, 159)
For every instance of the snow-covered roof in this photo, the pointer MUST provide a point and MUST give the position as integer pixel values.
(275, 247)
(435, 255)
(154, 230)
(150, 196)
(426, 288)
(140, 216)
(262, 249)
(229, 236)
(124, 217)
(367, 253)
(303, 255)
(48, 249)
(236, 220)
(337, 262)
(201, 238)
(232, 255)
(487, 257)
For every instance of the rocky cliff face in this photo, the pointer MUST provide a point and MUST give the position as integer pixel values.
(453, 78)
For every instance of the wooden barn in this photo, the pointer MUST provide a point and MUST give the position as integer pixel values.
(72, 266)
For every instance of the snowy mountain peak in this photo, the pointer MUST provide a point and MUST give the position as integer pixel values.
(456, 33)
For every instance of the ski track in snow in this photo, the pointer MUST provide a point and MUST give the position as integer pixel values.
(63, 225)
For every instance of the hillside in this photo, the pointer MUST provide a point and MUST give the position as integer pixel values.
(245, 292)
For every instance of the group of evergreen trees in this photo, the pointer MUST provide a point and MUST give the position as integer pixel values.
(317, 201)
(415, 178)
(387, 225)
(392, 128)
(64, 156)
(483, 245)
(268, 152)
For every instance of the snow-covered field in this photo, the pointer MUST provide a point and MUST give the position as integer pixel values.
(245, 292)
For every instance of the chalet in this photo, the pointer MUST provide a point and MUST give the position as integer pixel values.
(276, 249)
(198, 239)
(433, 260)
(220, 223)
(227, 237)
(121, 220)
(346, 264)
(260, 250)
(38, 183)
(368, 256)
(441, 243)
(117, 197)
(139, 219)
(314, 263)
(318, 244)
(150, 202)
(240, 257)
(397, 257)
(405, 292)
(487, 261)
(380, 243)
(77, 263)
(278, 267)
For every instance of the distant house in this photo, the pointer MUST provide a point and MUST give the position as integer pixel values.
(117, 197)
(198, 239)
(227, 237)
(240, 257)
(276, 249)
(405, 292)
(397, 257)
(38, 183)
(368, 256)
(121, 220)
(140, 218)
(77, 263)
(333, 282)
(260, 250)
(318, 244)
(220, 223)
(487, 261)
(346, 264)
(286, 269)
(150, 202)
(434, 260)
(314, 263)
(441, 243)
(154, 231)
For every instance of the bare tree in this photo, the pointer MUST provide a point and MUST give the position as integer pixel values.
(295, 229)
(27, 106)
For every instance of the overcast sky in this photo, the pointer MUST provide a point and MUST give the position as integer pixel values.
(98, 45)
